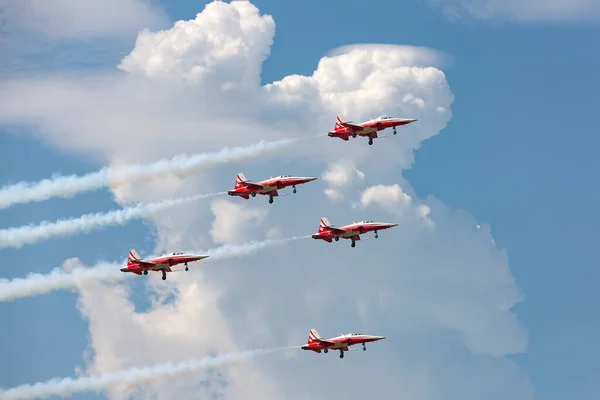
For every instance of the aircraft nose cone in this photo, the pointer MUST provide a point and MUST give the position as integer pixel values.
(311, 179)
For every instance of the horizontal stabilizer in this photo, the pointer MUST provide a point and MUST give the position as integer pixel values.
(132, 270)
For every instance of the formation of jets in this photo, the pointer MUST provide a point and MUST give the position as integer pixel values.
(270, 187)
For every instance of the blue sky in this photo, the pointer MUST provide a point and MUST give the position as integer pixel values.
(519, 153)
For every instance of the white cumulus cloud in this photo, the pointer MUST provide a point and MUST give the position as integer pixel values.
(232, 221)
(339, 175)
(525, 11)
(392, 199)
(228, 39)
(190, 326)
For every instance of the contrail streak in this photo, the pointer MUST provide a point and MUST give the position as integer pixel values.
(66, 387)
(232, 251)
(69, 186)
(28, 234)
(36, 284)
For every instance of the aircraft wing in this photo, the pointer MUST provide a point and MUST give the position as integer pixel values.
(144, 264)
(327, 342)
(353, 126)
(336, 230)
(255, 186)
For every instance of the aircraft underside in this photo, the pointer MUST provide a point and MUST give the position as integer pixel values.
(342, 349)
(353, 237)
(164, 268)
(371, 133)
(271, 191)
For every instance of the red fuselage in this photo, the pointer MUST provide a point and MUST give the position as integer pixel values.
(163, 263)
(328, 233)
(342, 343)
(344, 130)
(269, 187)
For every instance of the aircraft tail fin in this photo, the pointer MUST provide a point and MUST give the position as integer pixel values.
(313, 336)
(240, 179)
(338, 123)
(133, 255)
(324, 224)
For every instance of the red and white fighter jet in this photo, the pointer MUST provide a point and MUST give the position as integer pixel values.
(163, 263)
(344, 130)
(341, 343)
(244, 188)
(328, 232)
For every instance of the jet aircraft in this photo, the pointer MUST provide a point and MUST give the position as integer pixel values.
(163, 263)
(244, 188)
(344, 130)
(341, 343)
(328, 232)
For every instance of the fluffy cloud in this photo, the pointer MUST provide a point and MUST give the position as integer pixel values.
(394, 201)
(443, 296)
(522, 10)
(80, 19)
(231, 40)
(190, 327)
(363, 81)
(233, 220)
(339, 175)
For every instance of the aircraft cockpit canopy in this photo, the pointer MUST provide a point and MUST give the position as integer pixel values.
(178, 253)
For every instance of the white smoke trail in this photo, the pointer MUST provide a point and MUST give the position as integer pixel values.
(28, 234)
(66, 387)
(233, 251)
(37, 284)
(69, 186)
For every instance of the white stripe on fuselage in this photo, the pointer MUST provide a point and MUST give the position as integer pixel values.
(364, 225)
